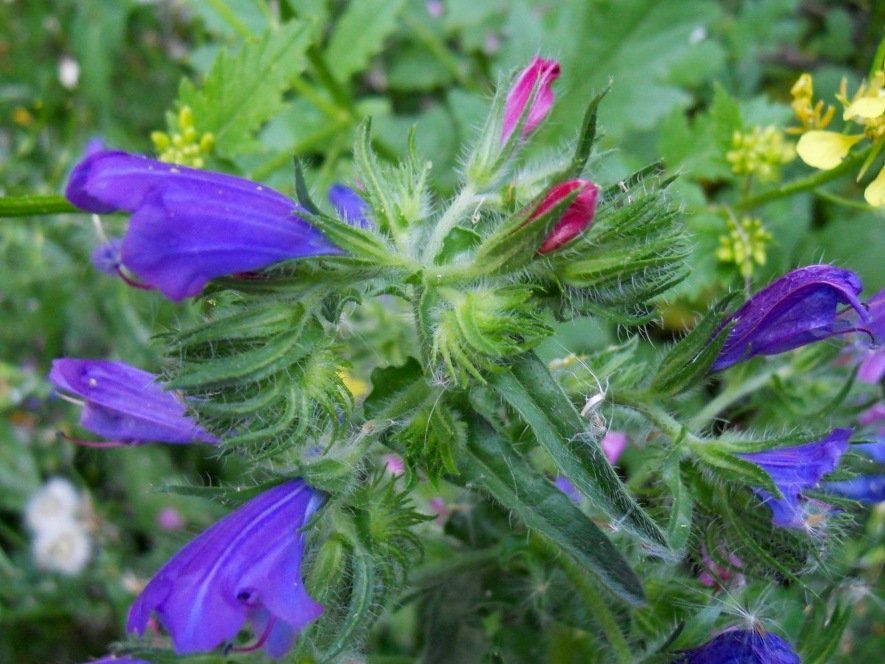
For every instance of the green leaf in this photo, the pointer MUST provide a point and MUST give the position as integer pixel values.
(360, 34)
(244, 89)
(559, 428)
(491, 463)
(587, 136)
(689, 361)
(679, 525)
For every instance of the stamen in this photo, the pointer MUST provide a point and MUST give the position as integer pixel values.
(132, 282)
(90, 443)
(70, 399)
(258, 644)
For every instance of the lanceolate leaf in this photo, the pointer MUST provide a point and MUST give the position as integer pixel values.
(244, 89)
(558, 427)
(491, 464)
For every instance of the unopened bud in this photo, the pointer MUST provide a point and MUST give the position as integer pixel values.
(576, 218)
(532, 87)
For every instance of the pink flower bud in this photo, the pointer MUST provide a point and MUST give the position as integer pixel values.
(539, 75)
(613, 445)
(576, 218)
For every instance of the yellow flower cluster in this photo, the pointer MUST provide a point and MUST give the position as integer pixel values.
(827, 149)
(811, 116)
(186, 146)
(744, 245)
(760, 152)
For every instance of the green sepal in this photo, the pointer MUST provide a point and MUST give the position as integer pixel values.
(737, 469)
(358, 242)
(587, 137)
(689, 361)
(491, 464)
(515, 243)
(559, 428)
(277, 353)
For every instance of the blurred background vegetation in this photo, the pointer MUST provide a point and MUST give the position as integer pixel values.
(685, 74)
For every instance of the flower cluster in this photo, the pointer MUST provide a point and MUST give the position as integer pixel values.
(760, 152)
(186, 146)
(56, 515)
(744, 245)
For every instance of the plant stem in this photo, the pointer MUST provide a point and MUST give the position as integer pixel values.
(807, 183)
(601, 613)
(459, 208)
(729, 396)
(34, 204)
(226, 13)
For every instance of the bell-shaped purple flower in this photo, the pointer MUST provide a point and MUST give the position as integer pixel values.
(125, 404)
(798, 309)
(349, 205)
(536, 79)
(189, 226)
(795, 469)
(741, 646)
(245, 568)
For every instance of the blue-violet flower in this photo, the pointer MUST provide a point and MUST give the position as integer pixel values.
(795, 469)
(125, 404)
(245, 568)
(795, 310)
(349, 205)
(189, 226)
(741, 646)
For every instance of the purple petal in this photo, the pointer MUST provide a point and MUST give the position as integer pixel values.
(740, 646)
(613, 445)
(876, 451)
(126, 404)
(118, 660)
(245, 567)
(865, 488)
(798, 309)
(189, 226)
(795, 469)
(565, 485)
(106, 257)
(349, 205)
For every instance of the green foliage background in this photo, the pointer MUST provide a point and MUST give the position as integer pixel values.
(684, 74)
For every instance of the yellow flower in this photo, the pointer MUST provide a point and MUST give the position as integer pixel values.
(811, 117)
(745, 245)
(185, 146)
(827, 149)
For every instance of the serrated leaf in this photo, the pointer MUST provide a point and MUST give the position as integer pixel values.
(244, 89)
(360, 34)
(559, 428)
(491, 464)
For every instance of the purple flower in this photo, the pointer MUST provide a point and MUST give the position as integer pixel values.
(106, 257)
(795, 469)
(872, 359)
(865, 488)
(349, 205)
(125, 404)
(245, 568)
(613, 444)
(565, 485)
(119, 660)
(189, 226)
(798, 309)
(741, 646)
(532, 87)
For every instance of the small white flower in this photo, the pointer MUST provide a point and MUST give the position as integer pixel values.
(56, 504)
(68, 72)
(65, 549)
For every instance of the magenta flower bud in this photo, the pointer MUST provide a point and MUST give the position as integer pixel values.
(125, 404)
(798, 309)
(577, 216)
(189, 226)
(536, 78)
(795, 469)
(244, 569)
(749, 646)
